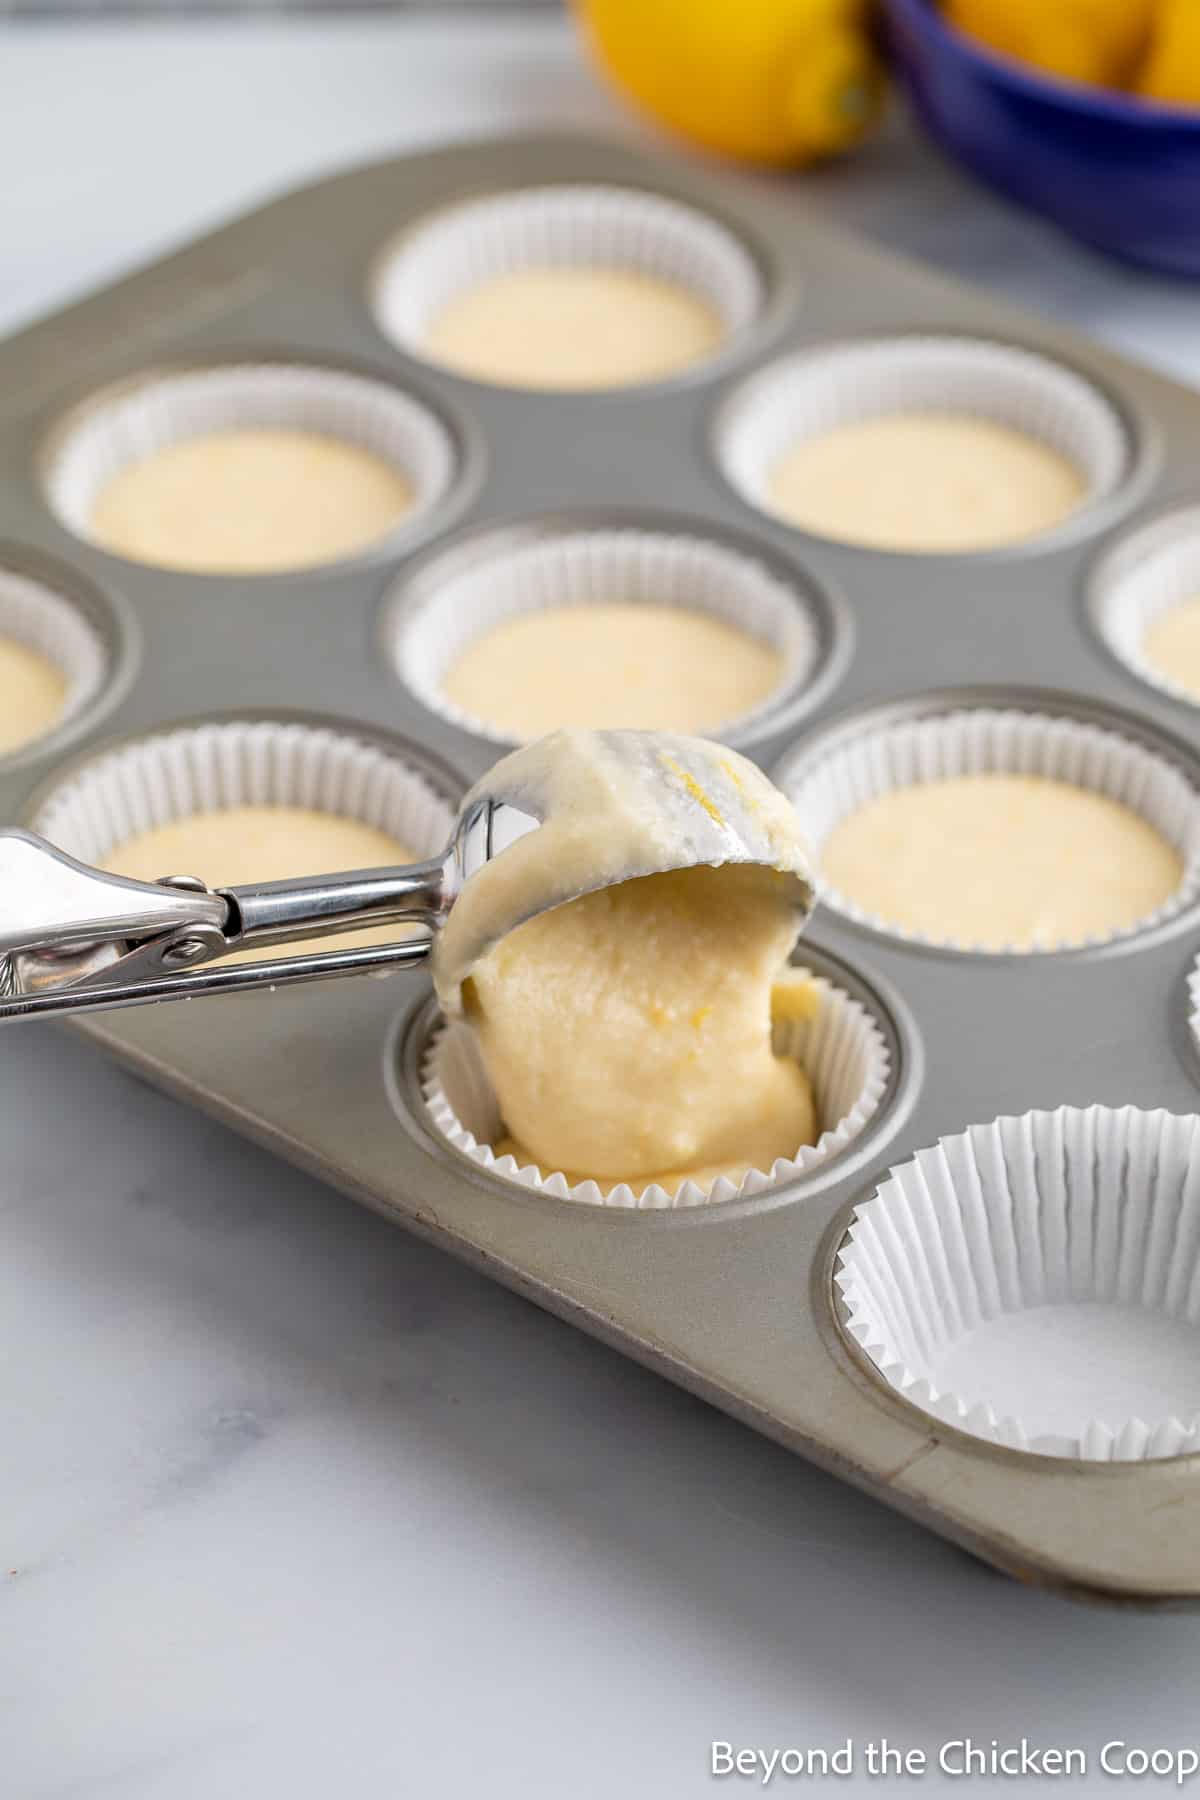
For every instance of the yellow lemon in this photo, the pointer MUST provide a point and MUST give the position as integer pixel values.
(1171, 71)
(773, 81)
(1094, 41)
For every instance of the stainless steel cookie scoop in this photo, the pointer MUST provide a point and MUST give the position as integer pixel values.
(577, 811)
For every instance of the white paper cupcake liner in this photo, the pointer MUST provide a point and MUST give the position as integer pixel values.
(842, 1049)
(805, 395)
(565, 226)
(987, 741)
(1036, 1282)
(34, 615)
(1193, 994)
(1149, 573)
(252, 762)
(132, 422)
(460, 600)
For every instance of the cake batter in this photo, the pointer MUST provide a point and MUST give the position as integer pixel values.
(925, 481)
(628, 1032)
(661, 668)
(248, 502)
(244, 844)
(33, 693)
(573, 328)
(1172, 645)
(999, 861)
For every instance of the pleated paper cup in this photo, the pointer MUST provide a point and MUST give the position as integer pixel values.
(566, 226)
(805, 395)
(991, 741)
(1193, 996)
(132, 422)
(213, 767)
(1147, 575)
(842, 1049)
(462, 599)
(1036, 1282)
(40, 618)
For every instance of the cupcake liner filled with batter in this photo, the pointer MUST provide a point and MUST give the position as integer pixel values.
(53, 660)
(837, 1042)
(567, 287)
(603, 628)
(1145, 603)
(998, 830)
(238, 801)
(922, 444)
(1036, 1282)
(248, 469)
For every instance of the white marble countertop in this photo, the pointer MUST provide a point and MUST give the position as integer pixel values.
(292, 1505)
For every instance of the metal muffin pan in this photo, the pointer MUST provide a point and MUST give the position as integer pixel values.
(734, 1301)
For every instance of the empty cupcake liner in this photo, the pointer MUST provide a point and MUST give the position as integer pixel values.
(36, 616)
(1193, 994)
(1036, 1282)
(149, 414)
(259, 762)
(564, 226)
(842, 1049)
(463, 598)
(987, 741)
(1149, 573)
(807, 394)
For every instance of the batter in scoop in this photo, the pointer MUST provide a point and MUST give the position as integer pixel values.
(250, 502)
(628, 1032)
(245, 844)
(573, 328)
(33, 692)
(1000, 861)
(925, 481)
(657, 668)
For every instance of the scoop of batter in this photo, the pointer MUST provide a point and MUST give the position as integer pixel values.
(628, 1032)
(610, 806)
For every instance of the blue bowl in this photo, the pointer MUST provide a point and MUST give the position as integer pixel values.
(1120, 173)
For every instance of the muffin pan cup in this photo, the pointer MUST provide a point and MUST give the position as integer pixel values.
(842, 1049)
(737, 1300)
(968, 741)
(429, 623)
(113, 431)
(800, 397)
(47, 619)
(1036, 1282)
(1148, 573)
(564, 226)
